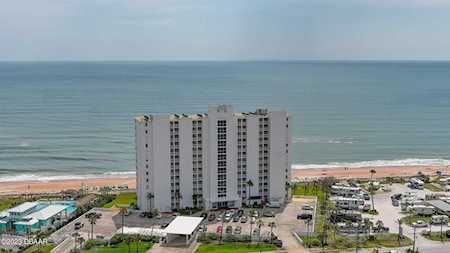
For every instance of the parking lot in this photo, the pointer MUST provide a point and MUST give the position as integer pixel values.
(105, 227)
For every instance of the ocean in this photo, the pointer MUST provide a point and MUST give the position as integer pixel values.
(75, 119)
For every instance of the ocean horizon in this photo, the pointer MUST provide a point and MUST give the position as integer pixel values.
(72, 120)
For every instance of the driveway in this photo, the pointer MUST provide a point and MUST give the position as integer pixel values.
(287, 223)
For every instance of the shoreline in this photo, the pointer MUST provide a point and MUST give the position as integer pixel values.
(55, 186)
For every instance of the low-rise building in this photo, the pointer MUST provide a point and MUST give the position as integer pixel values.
(33, 216)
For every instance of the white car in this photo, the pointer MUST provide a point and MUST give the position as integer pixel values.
(307, 207)
(420, 224)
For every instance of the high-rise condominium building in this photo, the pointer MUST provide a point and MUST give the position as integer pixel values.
(214, 160)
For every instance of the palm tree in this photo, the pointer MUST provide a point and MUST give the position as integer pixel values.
(195, 200)
(150, 196)
(271, 225)
(251, 228)
(75, 238)
(178, 198)
(80, 241)
(250, 185)
(400, 230)
(93, 217)
(260, 223)
(123, 210)
(137, 239)
(379, 225)
(129, 240)
(367, 226)
(371, 187)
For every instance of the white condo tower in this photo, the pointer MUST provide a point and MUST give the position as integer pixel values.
(206, 160)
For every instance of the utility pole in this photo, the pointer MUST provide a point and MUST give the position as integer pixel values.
(414, 241)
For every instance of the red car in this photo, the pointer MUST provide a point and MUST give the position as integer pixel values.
(219, 230)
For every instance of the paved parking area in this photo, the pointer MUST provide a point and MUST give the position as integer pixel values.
(105, 226)
(265, 229)
(134, 220)
(287, 223)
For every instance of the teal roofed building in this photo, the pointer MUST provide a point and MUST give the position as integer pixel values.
(31, 217)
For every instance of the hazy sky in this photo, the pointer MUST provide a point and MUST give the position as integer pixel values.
(224, 30)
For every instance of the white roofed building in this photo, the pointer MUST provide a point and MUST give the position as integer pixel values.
(182, 230)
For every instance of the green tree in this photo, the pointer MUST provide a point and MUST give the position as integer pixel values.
(150, 197)
(372, 187)
(92, 218)
(123, 210)
(250, 185)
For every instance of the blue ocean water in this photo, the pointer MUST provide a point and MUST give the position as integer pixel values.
(68, 119)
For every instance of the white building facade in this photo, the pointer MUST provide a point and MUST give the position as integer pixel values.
(214, 160)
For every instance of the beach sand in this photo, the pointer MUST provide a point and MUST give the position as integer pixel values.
(297, 175)
(364, 172)
(59, 185)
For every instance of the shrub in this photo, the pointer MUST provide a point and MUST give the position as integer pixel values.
(314, 242)
(92, 243)
(116, 239)
(207, 237)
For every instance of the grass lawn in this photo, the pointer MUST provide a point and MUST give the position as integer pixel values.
(235, 248)
(41, 249)
(384, 240)
(124, 198)
(436, 236)
(311, 189)
(121, 248)
(410, 219)
(8, 202)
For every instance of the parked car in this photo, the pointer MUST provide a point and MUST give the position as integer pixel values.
(229, 230)
(244, 219)
(237, 230)
(219, 230)
(304, 216)
(307, 207)
(365, 207)
(269, 214)
(273, 204)
(211, 217)
(227, 218)
(420, 224)
(78, 225)
(236, 218)
(447, 233)
(240, 213)
(278, 243)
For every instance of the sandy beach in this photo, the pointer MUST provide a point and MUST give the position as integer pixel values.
(59, 185)
(297, 175)
(363, 172)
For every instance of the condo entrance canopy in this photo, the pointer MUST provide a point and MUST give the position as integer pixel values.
(183, 225)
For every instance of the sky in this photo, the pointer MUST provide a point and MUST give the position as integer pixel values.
(57, 30)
